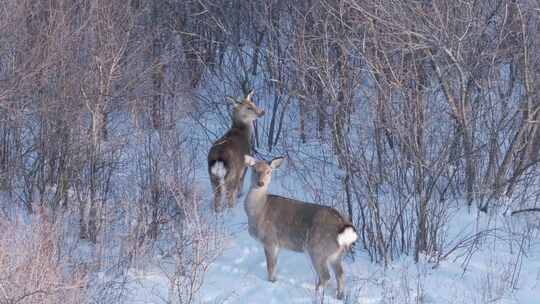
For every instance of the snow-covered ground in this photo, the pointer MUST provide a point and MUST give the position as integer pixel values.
(502, 267)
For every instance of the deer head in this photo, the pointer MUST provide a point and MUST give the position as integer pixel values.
(262, 170)
(246, 111)
(281, 222)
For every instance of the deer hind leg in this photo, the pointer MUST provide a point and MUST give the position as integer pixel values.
(239, 191)
(338, 272)
(271, 253)
(231, 185)
(321, 266)
(217, 188)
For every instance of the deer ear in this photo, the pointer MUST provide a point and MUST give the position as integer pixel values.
(249, 161)
(233, 101)
(249, 95)
(276, 162)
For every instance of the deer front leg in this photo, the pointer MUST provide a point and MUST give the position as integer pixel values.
(271, 252)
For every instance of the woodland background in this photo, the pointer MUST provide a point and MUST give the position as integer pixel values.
(395, 112)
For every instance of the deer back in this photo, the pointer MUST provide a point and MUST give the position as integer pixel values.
(231, 148)
(297, 225)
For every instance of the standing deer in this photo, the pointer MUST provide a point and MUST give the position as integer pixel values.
(226, 165)
(279, 222)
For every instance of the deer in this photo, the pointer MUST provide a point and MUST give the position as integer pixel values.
(226, 166)
(279, 222)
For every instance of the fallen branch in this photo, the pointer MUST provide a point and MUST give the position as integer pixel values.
(525, 210)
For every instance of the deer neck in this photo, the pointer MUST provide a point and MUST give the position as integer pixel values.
(255, 201)
(243, 126)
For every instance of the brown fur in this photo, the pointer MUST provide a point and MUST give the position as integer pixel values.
(230, 150)
(279, 222)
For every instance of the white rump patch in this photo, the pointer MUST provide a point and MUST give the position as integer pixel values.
(218, 169)
(347, 237)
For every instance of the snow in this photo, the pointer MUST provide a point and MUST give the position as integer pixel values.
(496, 265)
(239, 276)
(501, 266)
(497, 270)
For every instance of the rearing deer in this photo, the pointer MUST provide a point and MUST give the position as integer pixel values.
(226, 165)
(279, 222)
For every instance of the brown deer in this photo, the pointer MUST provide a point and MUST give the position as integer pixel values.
(279, 222)
(226, 165)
